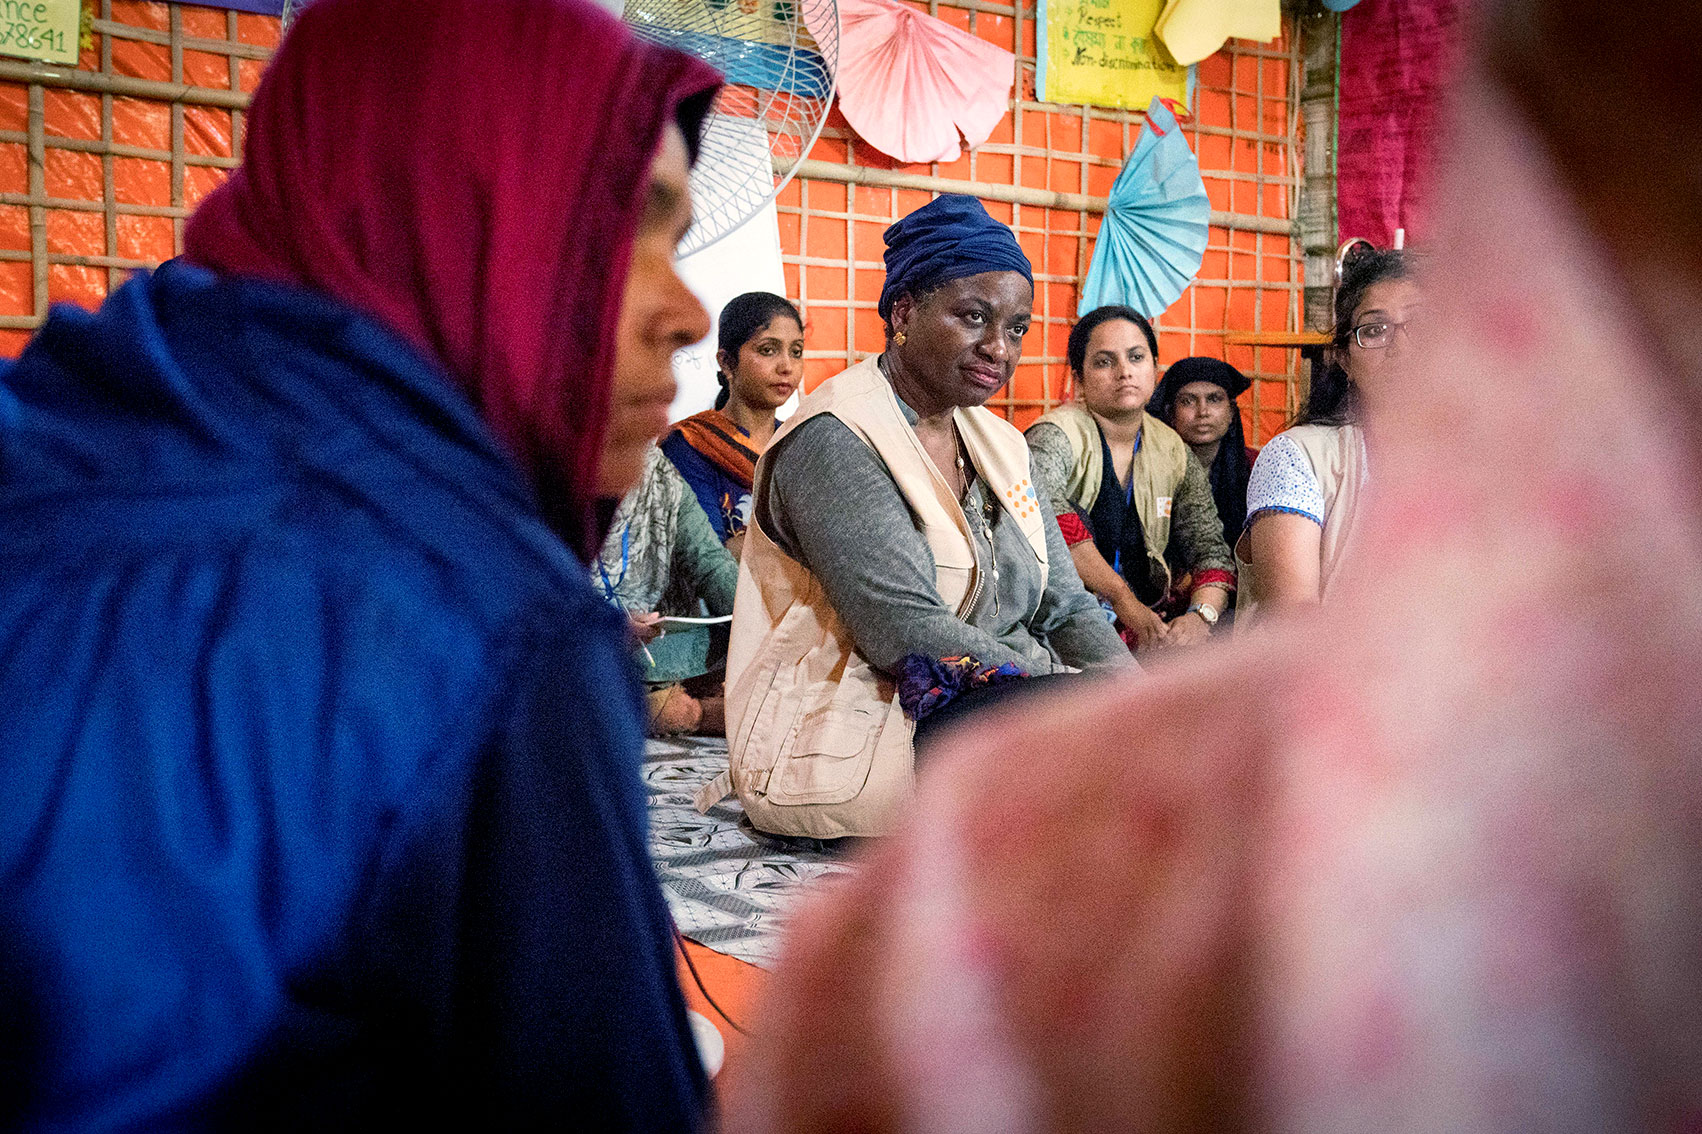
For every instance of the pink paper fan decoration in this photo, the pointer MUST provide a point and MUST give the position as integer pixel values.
(909, 83)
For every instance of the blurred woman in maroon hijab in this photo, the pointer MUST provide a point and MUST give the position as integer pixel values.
(324, 812)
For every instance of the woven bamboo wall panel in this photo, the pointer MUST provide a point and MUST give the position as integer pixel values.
(1245, 132)
(99, 167)
(96, 182)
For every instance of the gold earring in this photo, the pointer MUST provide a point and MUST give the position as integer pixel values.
(898, 338)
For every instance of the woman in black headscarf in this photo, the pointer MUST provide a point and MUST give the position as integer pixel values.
(1197, 400)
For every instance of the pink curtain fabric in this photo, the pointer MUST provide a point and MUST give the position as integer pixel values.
(1397, 57)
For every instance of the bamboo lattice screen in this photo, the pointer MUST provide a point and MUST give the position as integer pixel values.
(99, 165)
(1246, 136)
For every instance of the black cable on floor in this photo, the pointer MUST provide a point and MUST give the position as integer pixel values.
(680, 942)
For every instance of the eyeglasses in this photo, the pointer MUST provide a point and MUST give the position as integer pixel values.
(1376, 336)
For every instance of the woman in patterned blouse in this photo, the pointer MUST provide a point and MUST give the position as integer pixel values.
(1302, 496)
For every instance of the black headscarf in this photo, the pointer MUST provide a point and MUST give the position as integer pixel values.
(1231, 468)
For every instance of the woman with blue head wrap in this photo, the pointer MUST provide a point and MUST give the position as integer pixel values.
(958, 300)
(899, 558)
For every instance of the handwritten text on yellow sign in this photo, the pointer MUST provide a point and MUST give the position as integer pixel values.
(1103, 53)
(40, 29)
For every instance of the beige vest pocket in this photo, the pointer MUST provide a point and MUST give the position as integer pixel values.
(830, 759)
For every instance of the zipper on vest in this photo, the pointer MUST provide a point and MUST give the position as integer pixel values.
(975, 588)
(974, 594)
(992, 556)
(978, 529)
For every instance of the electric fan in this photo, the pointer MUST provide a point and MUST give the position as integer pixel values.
(288, 10)
(780, 58)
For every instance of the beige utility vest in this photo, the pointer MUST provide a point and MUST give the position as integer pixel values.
(1337, 454)
(817, 743)
(1156, 475)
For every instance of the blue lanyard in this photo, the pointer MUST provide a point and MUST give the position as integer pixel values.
(609, 588)
(1128, 502)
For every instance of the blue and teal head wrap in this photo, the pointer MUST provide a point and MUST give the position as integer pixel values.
(948, 238)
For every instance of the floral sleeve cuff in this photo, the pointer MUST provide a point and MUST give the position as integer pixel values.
(926, 685)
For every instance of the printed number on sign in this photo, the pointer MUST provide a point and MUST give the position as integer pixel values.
(23, 35)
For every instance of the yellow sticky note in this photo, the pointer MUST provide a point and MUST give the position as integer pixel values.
(1194, 29)
(40, 29)
(1104, 53)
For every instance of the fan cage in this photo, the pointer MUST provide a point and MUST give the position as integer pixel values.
(780, 58)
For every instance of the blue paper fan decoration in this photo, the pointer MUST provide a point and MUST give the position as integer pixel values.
(1154, 233)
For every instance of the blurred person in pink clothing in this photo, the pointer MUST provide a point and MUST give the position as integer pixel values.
(1433, 864)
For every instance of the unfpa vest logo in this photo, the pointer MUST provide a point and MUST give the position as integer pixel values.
(1022, 500)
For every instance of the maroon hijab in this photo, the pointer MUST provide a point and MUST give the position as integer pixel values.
(471, 173)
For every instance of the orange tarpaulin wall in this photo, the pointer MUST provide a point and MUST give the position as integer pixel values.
(95, 182)
(1245, 134)
(98, 168)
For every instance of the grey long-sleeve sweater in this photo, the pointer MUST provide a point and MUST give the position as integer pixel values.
(830, 504)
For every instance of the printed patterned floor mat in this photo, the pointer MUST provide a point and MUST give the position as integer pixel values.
(728, 885)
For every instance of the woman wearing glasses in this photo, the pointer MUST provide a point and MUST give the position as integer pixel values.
(1302, 497)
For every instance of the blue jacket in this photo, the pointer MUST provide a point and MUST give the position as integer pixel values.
(319, 755)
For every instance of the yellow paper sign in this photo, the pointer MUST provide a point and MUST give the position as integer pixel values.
(1104, 53)
(40, 29)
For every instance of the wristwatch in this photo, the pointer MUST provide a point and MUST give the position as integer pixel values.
(1205, 611)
